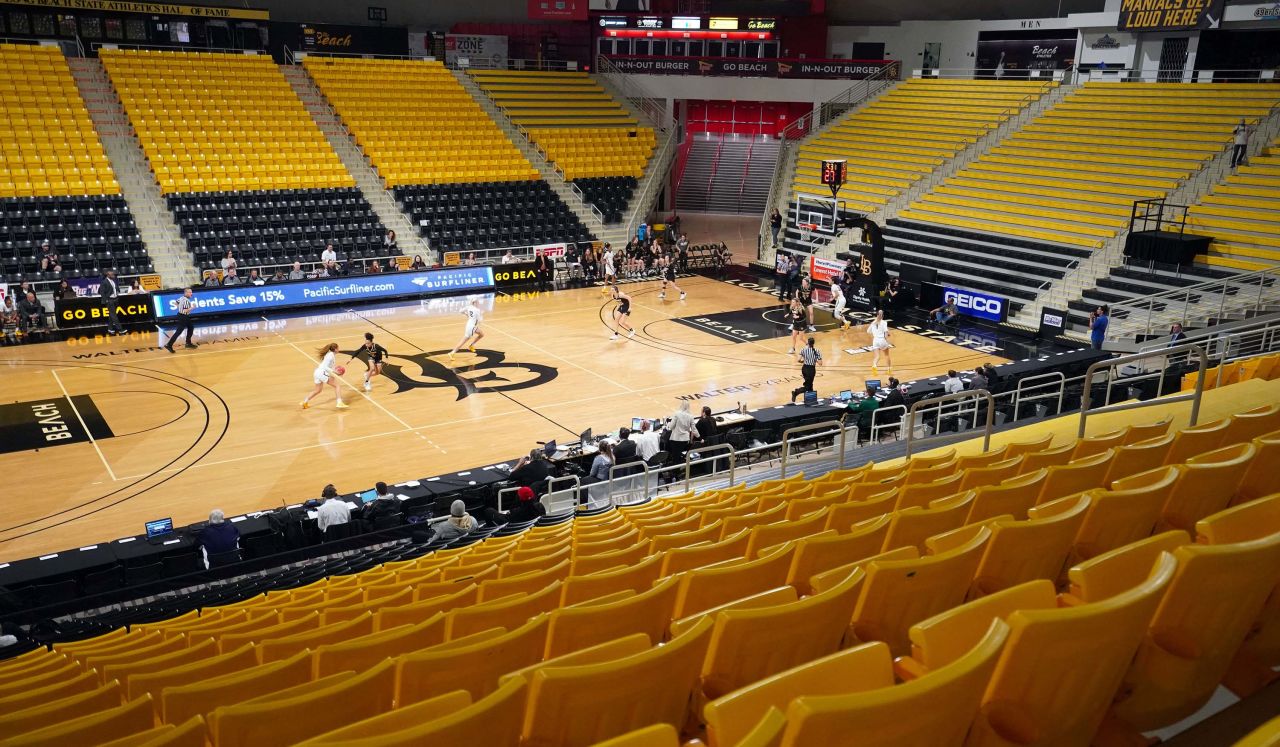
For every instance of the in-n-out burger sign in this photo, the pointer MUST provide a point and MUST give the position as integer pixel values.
(779, 68)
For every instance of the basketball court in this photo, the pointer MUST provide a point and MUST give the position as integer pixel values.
(103, 434)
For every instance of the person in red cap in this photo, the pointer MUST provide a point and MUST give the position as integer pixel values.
(527, 508)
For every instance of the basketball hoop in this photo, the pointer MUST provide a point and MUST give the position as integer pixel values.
(806, 230)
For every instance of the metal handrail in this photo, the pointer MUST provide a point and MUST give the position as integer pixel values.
(831, 426)
(653, 107)
(1125, 314)
(95, 46)
(877, 427)
(703, 459)
(977, 395)
(715, 165)
(1018, 399)
(658, 174)
(1114, 363)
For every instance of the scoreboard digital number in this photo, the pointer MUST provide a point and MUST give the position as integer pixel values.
(833, 173)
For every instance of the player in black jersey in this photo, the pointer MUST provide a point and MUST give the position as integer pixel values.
(372, 353)
(622, 314)
(667, 267)
(805, 296)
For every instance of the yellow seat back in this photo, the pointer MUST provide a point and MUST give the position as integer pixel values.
(703, 588)
(585, 624)
(1189, 442)
(1076, 476)
(1206, 484)
(1021, 551)
(822, 552)
(1014, 496)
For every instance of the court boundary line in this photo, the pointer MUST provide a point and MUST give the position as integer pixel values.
(85, 426)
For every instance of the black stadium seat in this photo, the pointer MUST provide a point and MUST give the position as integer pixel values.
(89, 233)
(276, 227)
(490, 215)
(610, 194)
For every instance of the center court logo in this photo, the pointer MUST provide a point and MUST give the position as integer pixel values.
(495, 373)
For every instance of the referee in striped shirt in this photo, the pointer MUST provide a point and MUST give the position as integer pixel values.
(183, 322)
(809, 359)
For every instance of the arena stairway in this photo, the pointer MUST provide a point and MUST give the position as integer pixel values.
(1135, 280)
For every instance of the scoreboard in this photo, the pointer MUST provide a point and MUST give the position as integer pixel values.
(833, 173)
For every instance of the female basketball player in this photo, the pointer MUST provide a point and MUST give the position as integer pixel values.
(373, 354)
(622, 314)
(668, 269)
(474, 317)
(324, 375)
(805, 296)
(796, 316)
(879, 331)
(838, 303)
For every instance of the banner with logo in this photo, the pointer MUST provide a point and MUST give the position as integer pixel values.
(753, 68)
(516, 273)
(152, 9)
(481, 50)
(328, 37)
(551, 250)
(824, 270)
(1169, 15)
(89, 311)
(976, 303)
(254, 299)
(1010, 55)
(558, 10)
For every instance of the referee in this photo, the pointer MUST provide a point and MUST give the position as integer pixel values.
(183, 321)
(809, 359)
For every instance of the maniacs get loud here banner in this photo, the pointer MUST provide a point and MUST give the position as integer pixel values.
(1169, 15)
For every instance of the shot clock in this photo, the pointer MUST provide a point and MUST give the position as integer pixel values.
(833, 174)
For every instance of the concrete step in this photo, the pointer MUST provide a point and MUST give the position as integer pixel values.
(160, 235)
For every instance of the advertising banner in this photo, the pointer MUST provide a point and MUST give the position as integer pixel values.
(255, 299)
(89, 311)
(752, 68)
(977, 304)
(558, 10)
(482, 50)
(517, 273)
(1053, 322)
(329, 37)
(551, 250)
(1008, 55)
(823, 270)
(1169, 15)
(153, 9)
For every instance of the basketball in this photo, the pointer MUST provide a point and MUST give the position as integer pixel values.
(341, 370)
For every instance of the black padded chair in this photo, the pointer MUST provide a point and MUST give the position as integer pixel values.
(102, 581)
(177, 565)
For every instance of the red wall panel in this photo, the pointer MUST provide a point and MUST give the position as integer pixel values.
(744, 117)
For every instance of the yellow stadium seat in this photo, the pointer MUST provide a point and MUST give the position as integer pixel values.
(697, 556)
(703, 588)
(102, 726)
(1267, 735)
(309, 710)
(844, 516)
(467, 620)
(1259, 478)
(1146, 432)
(1021, 551)
(658, 735)
(921, 494)
(1190, 442)
(1087, 447)
(524, 583)
(768, 535)
(582, 705)
(424, 609)
(750, 644)
(1013, 496)
(1251, 424)
(84, 681)
(1128, 512)
(587, 623)
(474, 663)
(212, 666)
(277, 648)
(1076, 476)
(362, 652)
(181, 702)
(637, 577)
(396, 726)
(1114, 572)
(1206, 484)
(1141, 456)
(57, 709)
(620, 558)
(190, 733)
(910, 527)
(935, 709)
(828, 550)
(991, 474)
(1051, 457)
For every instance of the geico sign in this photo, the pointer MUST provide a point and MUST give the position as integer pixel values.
(984, 305)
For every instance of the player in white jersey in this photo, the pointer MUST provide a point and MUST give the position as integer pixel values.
(324, 374)
(474, 317)
(610, 273)
(838, 304)
(879, 331)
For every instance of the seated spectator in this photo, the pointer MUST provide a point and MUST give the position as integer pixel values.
(211, 279)
(944, 313)
(218, 536)
(277, 276)
(389, 243)
(532, 471)
(527, 508)
(509, 258)
(255, 278)
(459, 524)
(601, 465)
(624, 452)
(471, 259)
(328, 256)
(230, 278)
(63, 291)
(49, 261)
(382, 506)
(332, 512)
(10, 321)
(864, 410)
(296, 273)
(135, 288)
(31, 313)
(648, 442)
(952, 383)
(978, 380)
(896, 396)
(373, 267)
(707, 427)
(418, 264)
(993, 377)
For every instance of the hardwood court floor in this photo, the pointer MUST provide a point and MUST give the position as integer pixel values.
(221, 426)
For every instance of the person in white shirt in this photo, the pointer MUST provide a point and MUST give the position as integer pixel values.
(508, 258)
(474, 317)
(228, 261)
(610, 275)
(681, 432)
(324, 375)
(333, 511)
(296, 273)
(879, 331)
(953, 383)
(838, 304)
(647, 441)
(1239, 143)
(328, 255)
